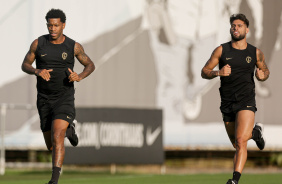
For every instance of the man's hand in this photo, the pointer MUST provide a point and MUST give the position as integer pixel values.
(225, 71)
(260, 74)
(45, 74)
(74, 76)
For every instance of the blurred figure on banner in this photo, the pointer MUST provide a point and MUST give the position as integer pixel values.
(179, 33)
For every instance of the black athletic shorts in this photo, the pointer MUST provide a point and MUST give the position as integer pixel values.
(51, 108)
(230, 117)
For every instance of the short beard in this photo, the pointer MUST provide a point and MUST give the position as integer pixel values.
(241, 37)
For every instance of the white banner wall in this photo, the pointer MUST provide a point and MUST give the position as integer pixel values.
(148, 54)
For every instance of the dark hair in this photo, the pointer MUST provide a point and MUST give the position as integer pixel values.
(239, 16)
(56, 13)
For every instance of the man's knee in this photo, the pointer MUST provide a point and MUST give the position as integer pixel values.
(241, 143)
(58, 136)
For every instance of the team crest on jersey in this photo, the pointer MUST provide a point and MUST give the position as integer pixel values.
(248, 59)
(64, 55)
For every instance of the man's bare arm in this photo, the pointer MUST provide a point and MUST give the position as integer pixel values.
(207, 71)
(89, 66)
(262, 72)
(29, 59)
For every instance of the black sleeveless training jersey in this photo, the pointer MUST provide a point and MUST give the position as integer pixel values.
(238, 89)
(58, 57)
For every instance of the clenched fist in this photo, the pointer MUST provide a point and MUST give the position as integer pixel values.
(225, 71)
(73, 76)
(260, 74)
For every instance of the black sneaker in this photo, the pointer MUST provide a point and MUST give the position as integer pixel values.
(51, 182)
(232, 182)
(260, 140)
(71, 135)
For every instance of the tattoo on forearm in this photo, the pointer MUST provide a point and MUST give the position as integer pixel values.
(266, 72)
(209, 74)
(261, 58)
(262, 66)
(213, 73)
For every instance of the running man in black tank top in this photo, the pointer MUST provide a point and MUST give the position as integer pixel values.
(54, 54)
(237, 61)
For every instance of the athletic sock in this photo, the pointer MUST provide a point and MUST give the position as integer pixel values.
(255, 134)
(56, 171)
(236, 176)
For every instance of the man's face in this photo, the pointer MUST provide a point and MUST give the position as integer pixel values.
(238, 30)
(55, 28)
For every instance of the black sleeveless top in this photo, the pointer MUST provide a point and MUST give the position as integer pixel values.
(239, 87)
(58, 57)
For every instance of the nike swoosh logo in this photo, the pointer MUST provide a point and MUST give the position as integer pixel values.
(248, 106)
(42, 55)
(228, 58)
(152, 136)
(68, 117)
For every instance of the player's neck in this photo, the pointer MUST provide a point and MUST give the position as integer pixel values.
(59, 40)
(240, 45)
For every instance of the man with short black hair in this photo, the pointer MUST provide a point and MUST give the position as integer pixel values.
(237, 60)
(54, 54)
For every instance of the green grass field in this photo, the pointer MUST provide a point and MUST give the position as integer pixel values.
(70, 177)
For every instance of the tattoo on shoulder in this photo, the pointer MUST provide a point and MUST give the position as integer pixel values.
(78, 49)
(79, 53)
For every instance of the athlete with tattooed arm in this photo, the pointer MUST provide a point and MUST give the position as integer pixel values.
(238, 62)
